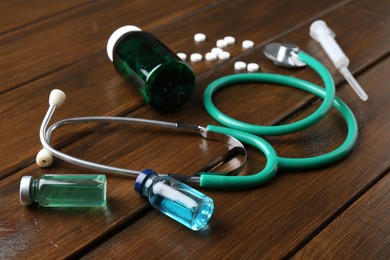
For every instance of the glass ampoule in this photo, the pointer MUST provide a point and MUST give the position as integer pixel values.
(64, 190)
(175, 199)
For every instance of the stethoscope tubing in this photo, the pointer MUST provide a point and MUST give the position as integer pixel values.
(249, 133)
(236, 131)
(304, 123)
(275, 162)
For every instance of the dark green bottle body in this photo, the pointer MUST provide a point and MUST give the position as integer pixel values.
(162, 78)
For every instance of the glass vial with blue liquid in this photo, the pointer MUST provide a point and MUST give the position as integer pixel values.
(162, 78)
(64, 190)
(175, 199)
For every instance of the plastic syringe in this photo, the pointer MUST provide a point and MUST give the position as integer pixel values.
(320, 32)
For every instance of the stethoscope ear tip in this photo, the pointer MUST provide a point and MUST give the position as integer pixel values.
(44, 158)
(57, 97)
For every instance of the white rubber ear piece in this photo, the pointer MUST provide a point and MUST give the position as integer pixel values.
(57, 97)
(44, 158)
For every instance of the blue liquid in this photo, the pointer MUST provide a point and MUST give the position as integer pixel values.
(194, 218)
(179, 201)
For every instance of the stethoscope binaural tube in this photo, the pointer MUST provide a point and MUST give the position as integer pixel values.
(45, 156)
(235, 131)
(241, 130)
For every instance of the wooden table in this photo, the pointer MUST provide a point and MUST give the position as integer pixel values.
(341, 211)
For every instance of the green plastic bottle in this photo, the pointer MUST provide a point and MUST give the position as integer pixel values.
(162, 78)
(67, 190)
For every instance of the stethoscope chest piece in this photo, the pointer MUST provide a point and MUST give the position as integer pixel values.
(283, 54)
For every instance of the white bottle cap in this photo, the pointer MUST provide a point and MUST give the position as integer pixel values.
(115, 36)
(24, 191)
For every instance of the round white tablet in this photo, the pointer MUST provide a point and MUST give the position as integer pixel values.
(253, 67)
(211, 56)
(196, 57)
(216, 50)
(224, 55)
(239, 65)
(182, 56)
(230, 40)
(221, 43)
(200, 37)
(247, 44)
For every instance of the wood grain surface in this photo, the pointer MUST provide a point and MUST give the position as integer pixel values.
(365, 225)
(336, 212)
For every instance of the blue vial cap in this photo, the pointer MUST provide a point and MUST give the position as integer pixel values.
(142, 177)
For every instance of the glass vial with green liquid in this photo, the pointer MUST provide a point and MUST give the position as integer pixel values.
(163, 79)
(67, 190)
(175, 199)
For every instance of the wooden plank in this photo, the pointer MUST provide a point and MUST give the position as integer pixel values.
(274, 220)
(56, 232)
(379, 8)
(42, 48)
(96, 76)
(91, 88)
(261, 23)
(41, 236)
(361, 232)
(18, 13)
(25, 231)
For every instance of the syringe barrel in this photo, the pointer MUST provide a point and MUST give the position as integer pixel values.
(320, 32)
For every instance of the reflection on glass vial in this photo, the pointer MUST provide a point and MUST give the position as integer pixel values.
(67, 190)
(162, 78)
(175, 199)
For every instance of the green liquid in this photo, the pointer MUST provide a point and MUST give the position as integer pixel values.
(70, 190)
(162, 78)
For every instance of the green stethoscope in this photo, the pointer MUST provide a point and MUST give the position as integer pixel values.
(287, 55)
(235, 131)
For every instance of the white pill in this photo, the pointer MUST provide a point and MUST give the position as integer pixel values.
(230, 40)
(199, 37)
(196, 57)
(239, 65)
(182, 56)
(247, 44)
(224, 55)
(253, 67)
(216, 50)
(221, 43)
(211, 56)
